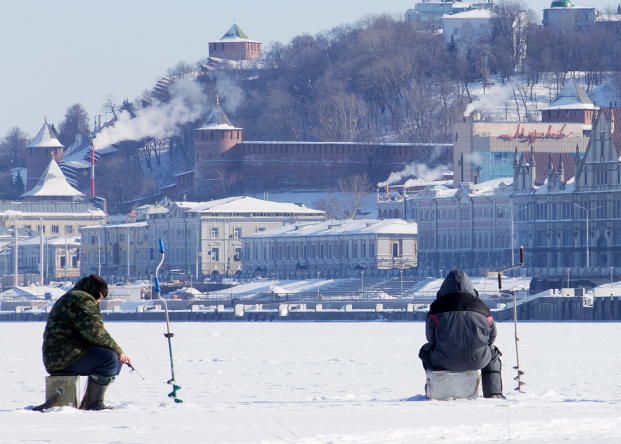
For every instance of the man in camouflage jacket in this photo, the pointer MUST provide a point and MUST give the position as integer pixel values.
(76, 341)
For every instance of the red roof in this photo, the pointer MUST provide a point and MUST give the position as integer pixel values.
(543, 159)
(616, 136)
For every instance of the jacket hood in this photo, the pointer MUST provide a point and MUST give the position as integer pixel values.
(457, 282)
(88, 285)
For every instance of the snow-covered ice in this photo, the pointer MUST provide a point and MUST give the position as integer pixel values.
(320, 383)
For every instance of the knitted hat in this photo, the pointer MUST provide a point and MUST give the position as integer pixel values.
(102, 285)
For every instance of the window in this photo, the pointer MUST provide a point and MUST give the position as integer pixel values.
(288, 251)
(541, 238)
(364, 249)
(372, 250)
(297, 252)
(347, 251)
(280, 252)
(214, 233)
(313, 251)
(568, 240)
(54, 228)
(264, 253)
(455, 31)
(321, 251)
(329, 251)
(395, 249)
(305, 251)
(237, 233)
(215, 255)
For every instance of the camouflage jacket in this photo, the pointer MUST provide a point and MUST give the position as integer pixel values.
(74, 326)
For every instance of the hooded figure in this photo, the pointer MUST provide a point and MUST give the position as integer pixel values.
(461, 332)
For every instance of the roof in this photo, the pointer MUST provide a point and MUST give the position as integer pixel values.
(218, 120)
(53, 183)
(33, 290)
(542, 161)
(124, 226)
(561, 4)
(572, 96)
(616, 136)
(235, 34)
(45, 138)
(45, 208)
(340, 228)
(54, 240)
(251, 205)
(473, 14)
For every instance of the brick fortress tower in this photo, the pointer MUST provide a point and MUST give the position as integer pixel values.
(40, 153)
(211, 141)
(235, 45)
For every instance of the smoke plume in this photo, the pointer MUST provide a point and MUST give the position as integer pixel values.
(187, 104)
(229, 92)
(491, 101)
(421, 173)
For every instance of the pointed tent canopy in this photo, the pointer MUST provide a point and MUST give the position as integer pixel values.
(572, 96)
(235, 34)
(218, 120)
(53, 183)
(46, 138)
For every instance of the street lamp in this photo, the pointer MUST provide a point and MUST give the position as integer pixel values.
(362, 280)
(587, 229)
(511, 211)
(318, 285)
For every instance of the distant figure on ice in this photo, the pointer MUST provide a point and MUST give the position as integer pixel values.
(461, 332)
(76, 341)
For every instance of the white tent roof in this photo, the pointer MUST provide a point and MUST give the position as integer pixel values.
(572, 96)
(53, 183)
(245, 204)
(45, 138)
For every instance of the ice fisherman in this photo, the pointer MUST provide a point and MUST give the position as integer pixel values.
(76, 341)
(461, 333)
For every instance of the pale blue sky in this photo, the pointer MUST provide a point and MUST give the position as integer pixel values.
(57, 53)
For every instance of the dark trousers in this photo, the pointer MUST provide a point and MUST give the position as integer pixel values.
(491, 379)
(98, 360)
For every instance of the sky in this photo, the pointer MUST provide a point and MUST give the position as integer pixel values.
(55, 54)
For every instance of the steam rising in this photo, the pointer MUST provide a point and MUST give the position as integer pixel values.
(421, 172)
(186, 105)
(491, 101)
(230, 93)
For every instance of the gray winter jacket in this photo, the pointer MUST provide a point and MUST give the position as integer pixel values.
(459, 326)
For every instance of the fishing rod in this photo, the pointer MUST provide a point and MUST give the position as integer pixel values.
(132, 369)
(168, 334)
(517, 356)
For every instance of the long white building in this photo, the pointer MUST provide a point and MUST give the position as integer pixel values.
(332, 245)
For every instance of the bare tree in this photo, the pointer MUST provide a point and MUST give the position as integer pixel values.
(120, 182)
(12, 149)
(347, 199)
(110, 106)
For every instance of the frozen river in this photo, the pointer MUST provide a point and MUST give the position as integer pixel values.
(320, 383)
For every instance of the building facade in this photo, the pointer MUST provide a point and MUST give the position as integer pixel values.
(430, 13)
(554, 215)
(200, 238)
(467, 227)
(332, 245)
(61, 258)
(117, 250)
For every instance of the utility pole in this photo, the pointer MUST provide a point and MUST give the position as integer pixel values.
(99, 253)
(196, 252)
(41, 274)
(127, 254)
(587, 229)
(512, 248)
(16, 254)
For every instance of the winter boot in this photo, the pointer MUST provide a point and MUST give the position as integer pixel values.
(491, 377)
(95, 392)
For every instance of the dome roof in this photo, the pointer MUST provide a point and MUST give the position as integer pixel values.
(561, 4)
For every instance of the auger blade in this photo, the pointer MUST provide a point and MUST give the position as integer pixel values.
(173, 394)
